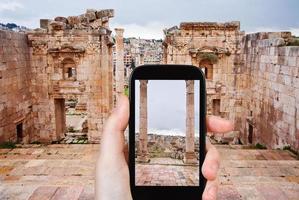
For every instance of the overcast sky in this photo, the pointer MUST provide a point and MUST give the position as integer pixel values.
(147, 18)
(166, 106)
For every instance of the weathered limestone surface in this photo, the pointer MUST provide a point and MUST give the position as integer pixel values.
(65, 58)
(269, 86)
(15, 94)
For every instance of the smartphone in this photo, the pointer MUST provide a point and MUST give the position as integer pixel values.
(167, 132)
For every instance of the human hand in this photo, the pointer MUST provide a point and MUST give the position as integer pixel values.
(211, 164)
(112, 172)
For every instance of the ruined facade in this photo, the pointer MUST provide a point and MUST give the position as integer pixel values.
(212, 47)
(65, 58)
(268, 84)
(251, 79)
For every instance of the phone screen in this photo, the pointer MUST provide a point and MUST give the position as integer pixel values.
(167, 132)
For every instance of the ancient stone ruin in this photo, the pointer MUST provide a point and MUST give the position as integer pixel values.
(40, 71)
(252, 79)
(65, 68)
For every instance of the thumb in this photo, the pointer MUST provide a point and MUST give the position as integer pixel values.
(112, 142)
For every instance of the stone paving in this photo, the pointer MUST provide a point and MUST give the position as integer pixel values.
(59, 171)
(166, 172)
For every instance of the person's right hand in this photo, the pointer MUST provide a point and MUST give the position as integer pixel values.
(112, 179)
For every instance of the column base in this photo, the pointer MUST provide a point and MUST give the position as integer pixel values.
(190, 158)
(143, 159)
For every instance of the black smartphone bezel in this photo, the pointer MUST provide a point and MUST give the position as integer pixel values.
(167, 72)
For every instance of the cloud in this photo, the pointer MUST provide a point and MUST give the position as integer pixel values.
(151, 30)
(10, 6)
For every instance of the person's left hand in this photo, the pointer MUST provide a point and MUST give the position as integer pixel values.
(112, 173)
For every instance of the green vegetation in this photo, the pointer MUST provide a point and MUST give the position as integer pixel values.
(260, 146)
(294, 42)
(35, 142)
(288, 148)
(126, 91)
(210, 57)
(7, 145)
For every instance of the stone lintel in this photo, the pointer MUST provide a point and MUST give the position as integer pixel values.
(67, 49)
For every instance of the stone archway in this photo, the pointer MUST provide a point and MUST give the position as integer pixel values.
(142, 154)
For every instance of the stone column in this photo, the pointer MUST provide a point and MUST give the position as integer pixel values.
(143, 155)
(190, 157)
(120, 67)
(141, 59)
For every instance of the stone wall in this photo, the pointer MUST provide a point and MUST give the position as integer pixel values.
(268, 83)
(15, 95)
(68, 57)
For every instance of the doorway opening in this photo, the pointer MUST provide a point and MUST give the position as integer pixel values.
(216, 107)
(75, 120)
(60, 118)
(19, 128)
(250, 133)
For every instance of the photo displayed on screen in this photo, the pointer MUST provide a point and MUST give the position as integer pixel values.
(167, 132)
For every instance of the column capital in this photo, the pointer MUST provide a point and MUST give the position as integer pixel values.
(119, 31)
